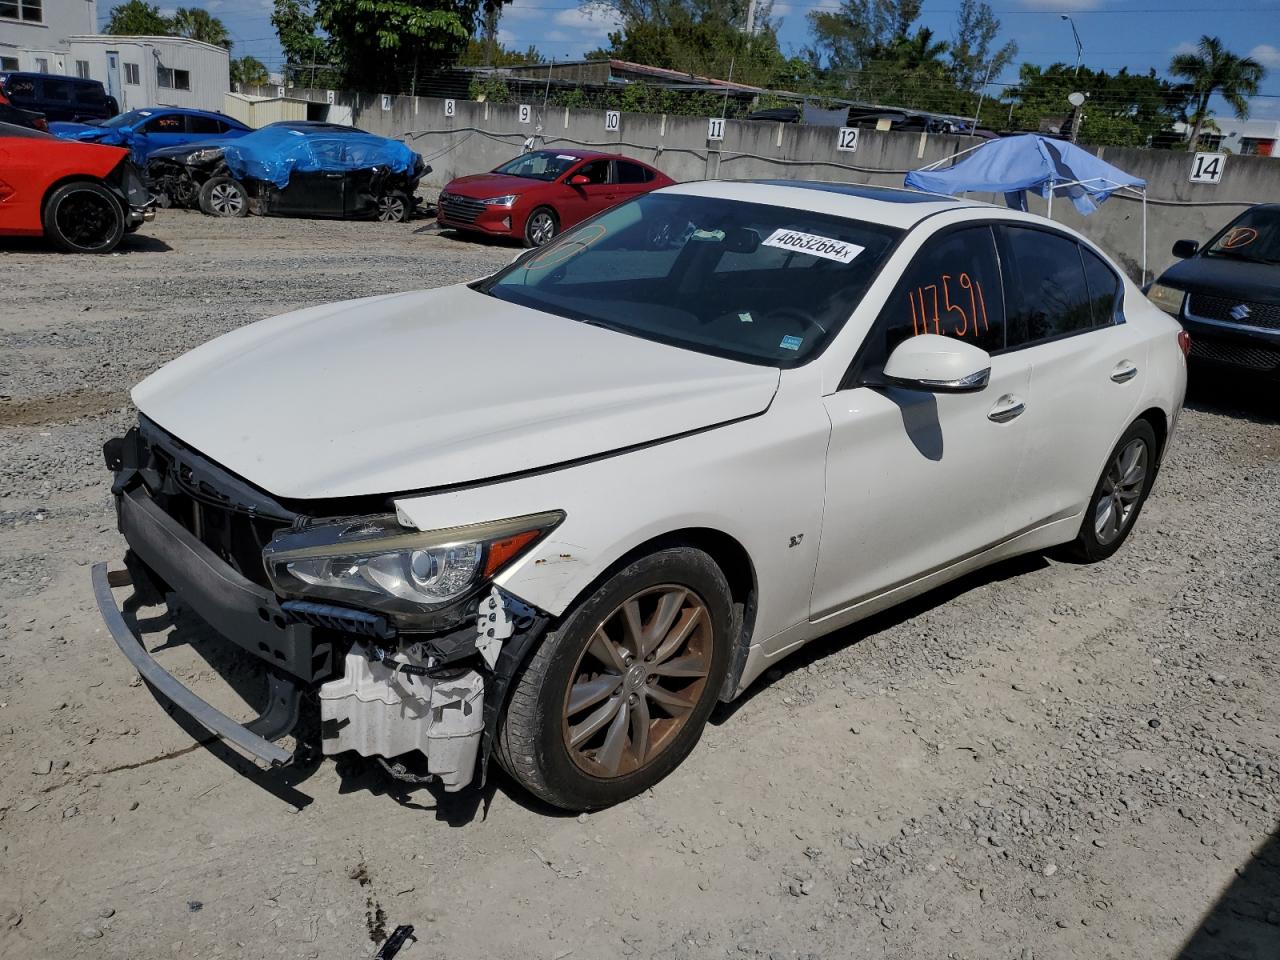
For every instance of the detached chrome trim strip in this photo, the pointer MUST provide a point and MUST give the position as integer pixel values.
(212, 719)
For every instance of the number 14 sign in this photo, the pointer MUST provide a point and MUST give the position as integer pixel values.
(1207, 167)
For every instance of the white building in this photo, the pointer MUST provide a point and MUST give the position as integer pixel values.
(155, 71)
(34, 33)
(1257, 138)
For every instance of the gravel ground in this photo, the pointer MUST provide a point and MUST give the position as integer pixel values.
(1044, 760)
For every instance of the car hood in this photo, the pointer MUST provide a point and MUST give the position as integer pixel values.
(433, 388)
(77, 131)
(1224, 277)
(184, 150)
(481, 186)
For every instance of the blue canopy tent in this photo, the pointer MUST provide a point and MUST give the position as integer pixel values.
(1014, 165)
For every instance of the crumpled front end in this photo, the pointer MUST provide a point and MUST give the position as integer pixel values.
(388, 685)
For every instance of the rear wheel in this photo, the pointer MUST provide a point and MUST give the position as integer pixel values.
(541, 227)
(393, 207)
(616, 697)
(224, 197)
(84, 217)
(1118, 498)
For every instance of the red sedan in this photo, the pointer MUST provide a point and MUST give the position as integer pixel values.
(83, 196)
(538, 194)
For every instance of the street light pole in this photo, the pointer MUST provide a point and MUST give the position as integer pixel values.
(1076, 36)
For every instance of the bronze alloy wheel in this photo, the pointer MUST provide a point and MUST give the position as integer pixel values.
(638, 679)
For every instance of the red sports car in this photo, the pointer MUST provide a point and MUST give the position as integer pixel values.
(538, 194)
(83, 196)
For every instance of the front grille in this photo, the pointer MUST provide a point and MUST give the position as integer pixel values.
(1228, 310)
(1252, 358)
(459, 209)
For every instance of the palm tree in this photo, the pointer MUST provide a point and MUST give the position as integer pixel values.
(197, 24)
(918, 50)
(248, 72)
(1214, 69)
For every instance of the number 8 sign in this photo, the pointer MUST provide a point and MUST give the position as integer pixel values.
(449, 108)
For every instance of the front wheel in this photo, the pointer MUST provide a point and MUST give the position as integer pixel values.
(541, 227)
(84, 217)
(224, 197)
(618, 695)
(1119, 495)
(394, 207)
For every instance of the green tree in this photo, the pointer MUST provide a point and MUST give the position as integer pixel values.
(859, 31)
(248, 71)
(308, 57)
(196, 23)
(973, 58)
(1122, 109)
(1215, 69)
(136, 18)
(479, 53)
(386, 45)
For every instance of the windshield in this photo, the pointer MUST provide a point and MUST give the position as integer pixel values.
(539, 165)
(126, 119)
(1254, 235)
(754, 282)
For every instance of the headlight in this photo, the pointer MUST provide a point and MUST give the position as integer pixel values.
(506, 201)
(419, 579)
(205, 156)
(1166, 298)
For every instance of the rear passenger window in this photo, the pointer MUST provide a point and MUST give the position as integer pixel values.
(57, 90)
(203, 125)
(951, 288)
(1045, 287)
(633, 173)
(1104, 289)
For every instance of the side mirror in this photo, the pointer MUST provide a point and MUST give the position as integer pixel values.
(579, 180)
(1185, 248)
(937, 364)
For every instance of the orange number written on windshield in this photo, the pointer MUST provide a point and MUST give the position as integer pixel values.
(940, 308)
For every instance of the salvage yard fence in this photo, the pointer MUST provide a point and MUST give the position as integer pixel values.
(458, 137)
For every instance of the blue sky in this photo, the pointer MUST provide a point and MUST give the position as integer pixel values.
(1115, 33)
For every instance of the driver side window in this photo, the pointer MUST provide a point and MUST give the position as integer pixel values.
(952, 288)
(597, 172)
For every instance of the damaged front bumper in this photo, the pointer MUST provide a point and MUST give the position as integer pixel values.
(380, 695)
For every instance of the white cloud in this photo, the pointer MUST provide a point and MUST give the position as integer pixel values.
(588, 19)
(1267, 55)
(780, 10)
(1186, 46)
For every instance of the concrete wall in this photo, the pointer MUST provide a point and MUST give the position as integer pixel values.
(480, 136)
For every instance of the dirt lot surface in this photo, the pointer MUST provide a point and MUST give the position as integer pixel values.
(1044, 761)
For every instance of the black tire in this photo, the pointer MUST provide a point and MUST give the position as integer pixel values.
(1090, 544)
(394, 206)
(534, 236)
(224, 197)
(84, 217)
(532, 742)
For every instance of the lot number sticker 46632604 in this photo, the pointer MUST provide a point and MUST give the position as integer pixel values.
(814, 245)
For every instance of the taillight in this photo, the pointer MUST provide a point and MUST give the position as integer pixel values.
(1184, 343)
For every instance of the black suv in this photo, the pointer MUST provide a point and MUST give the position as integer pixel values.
(1227, 293)
(59, 97)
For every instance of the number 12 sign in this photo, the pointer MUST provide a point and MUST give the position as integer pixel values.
(1207, 167)
(848, 140)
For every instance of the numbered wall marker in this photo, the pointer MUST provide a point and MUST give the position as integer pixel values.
(280, 92)
(1207, 167)
(848, 139)
(450, 108)
(612, 120)
(386, 101)
(526, 113)
(715, 128)
(328, 97)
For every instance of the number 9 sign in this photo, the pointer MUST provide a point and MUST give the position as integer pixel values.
(526, 112)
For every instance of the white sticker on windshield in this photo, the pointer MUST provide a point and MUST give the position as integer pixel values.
(814, 245)
(564, 156)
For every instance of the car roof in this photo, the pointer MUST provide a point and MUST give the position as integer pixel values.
(192, 111)
(891, 206)
(32, 75)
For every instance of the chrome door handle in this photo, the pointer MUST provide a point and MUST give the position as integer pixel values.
(1007, 408)
(1124, 372)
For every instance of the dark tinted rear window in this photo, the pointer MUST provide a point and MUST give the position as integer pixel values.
(204, 125)
(1045, 289)
(1104, 289)
(56, 89)
(633, 173)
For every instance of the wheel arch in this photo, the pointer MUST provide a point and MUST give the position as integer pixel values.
(79, 177)
(728, 553)
(1159, 421)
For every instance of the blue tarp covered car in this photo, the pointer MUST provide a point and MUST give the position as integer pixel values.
(294, 168)
(149, 129)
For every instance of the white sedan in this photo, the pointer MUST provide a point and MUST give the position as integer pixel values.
(557, 513)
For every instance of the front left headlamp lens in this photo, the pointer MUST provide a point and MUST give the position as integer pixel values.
(415, 577)
(504, 201)
(1167, 299)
